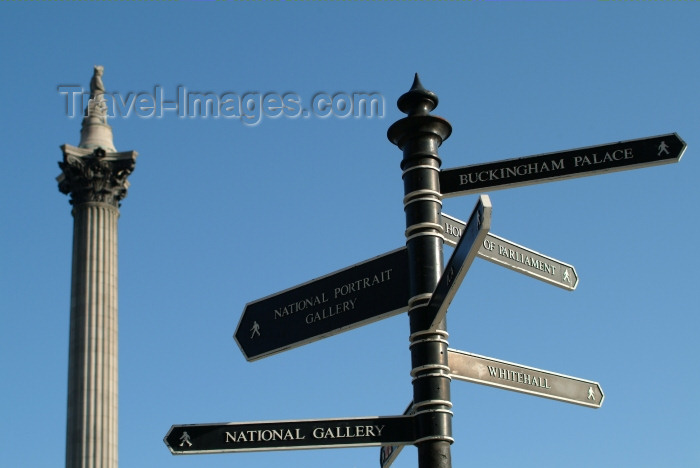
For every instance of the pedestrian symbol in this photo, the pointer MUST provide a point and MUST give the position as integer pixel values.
(185, 439)
(591, 396)
(255, 330)
(663, 148)
(566, 277)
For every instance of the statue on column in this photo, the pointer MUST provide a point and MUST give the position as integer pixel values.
(97, 107)
(96, 82)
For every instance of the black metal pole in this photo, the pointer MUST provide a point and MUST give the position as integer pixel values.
(419, 135)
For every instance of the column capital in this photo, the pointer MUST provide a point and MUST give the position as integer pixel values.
(95, 175)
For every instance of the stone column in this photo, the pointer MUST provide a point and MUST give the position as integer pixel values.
(96, 181)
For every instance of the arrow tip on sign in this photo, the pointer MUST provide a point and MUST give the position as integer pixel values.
(165, 439)
(235, 338)
(574, 279)
(684, 146)
(485, 211)
(602, 395)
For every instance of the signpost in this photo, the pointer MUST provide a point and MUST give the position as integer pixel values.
(385, 285)
(289, 435)
(463, 256)
(518, 378)
(343, 300)
(592, 160)
(516, 257)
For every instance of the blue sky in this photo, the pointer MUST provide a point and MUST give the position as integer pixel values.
(220, 213)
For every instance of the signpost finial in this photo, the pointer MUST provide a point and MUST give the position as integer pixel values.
(418, 100)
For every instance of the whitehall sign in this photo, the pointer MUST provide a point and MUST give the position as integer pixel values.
(506, 375)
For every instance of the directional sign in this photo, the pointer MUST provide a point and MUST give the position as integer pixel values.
(516, 257)
(630, 154)
(343, 300)
(290, 435)
(502, 374)
(389, 453)
(463, 256)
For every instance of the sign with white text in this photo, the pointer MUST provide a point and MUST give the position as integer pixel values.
(462, 258)
(592, 160)
(357, 295)
(289, 435)
(503, 252)
(506, 375)
(389, 453)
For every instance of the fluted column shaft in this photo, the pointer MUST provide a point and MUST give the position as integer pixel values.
(92, 423)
